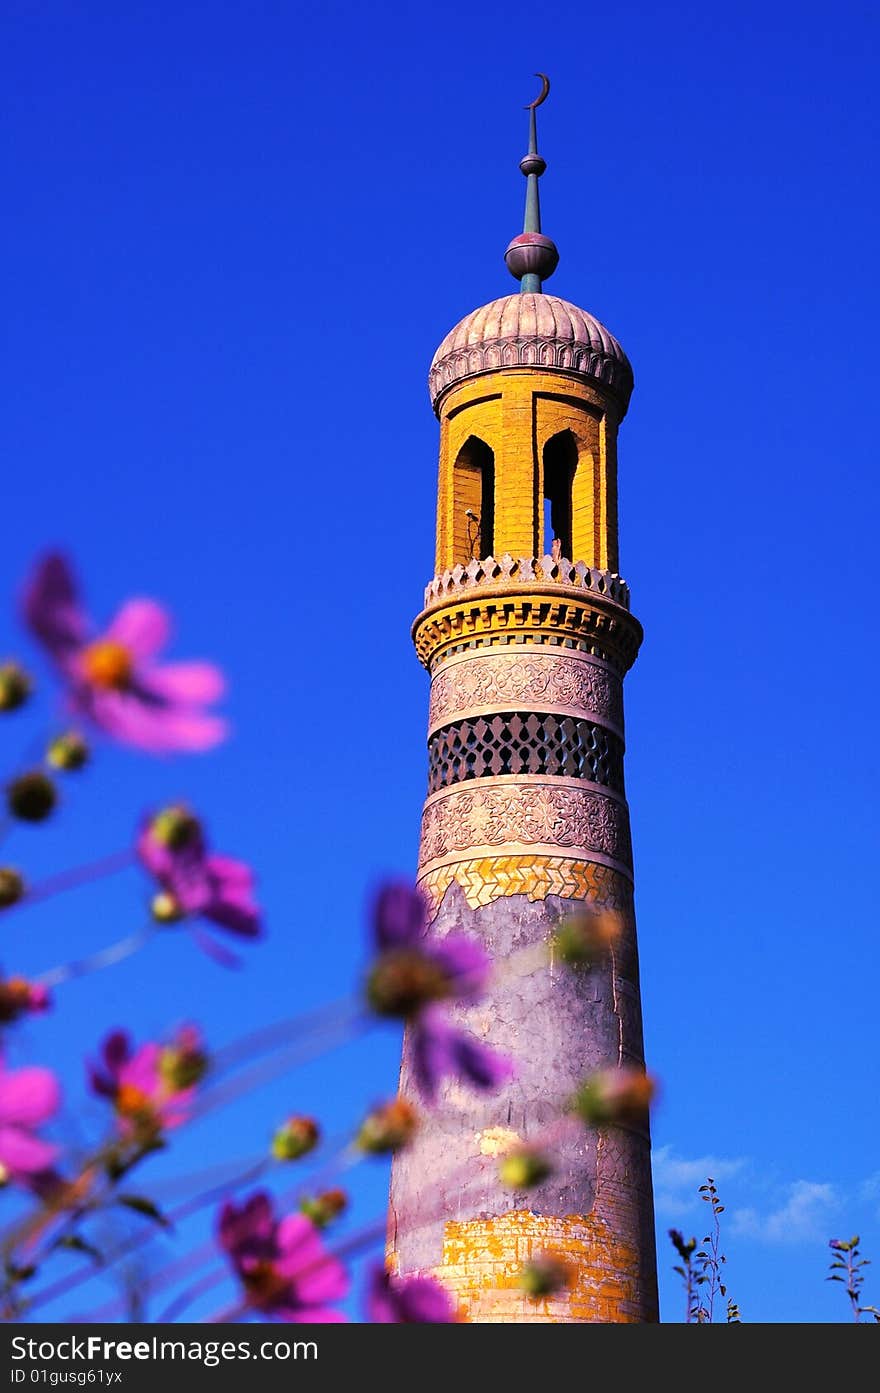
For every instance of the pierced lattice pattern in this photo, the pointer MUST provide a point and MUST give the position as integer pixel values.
(523, 742)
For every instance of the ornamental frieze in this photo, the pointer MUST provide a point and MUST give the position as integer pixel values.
(533, 681)
(529, 814)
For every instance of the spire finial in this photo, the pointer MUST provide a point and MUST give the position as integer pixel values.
(532, 257)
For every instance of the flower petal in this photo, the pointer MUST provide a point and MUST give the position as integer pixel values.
(399, 915)
(185, 684)
(240, 1225)
(52, 608)
(432, 1056)
(478, 1065)
(465, 962)
(28, 1096)
(156, 729)
(23, 1154)
(141, 626)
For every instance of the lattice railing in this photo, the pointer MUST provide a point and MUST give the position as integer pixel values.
(495, 571)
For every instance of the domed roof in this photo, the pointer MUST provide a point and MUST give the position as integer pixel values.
(530, 331)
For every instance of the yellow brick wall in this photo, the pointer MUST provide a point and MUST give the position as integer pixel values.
(515, 411)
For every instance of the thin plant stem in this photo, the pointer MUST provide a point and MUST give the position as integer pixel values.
(95, 962)
(74, 877)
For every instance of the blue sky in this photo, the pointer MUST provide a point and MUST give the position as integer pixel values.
(234, 236)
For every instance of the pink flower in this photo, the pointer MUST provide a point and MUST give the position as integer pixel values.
(195, 882)
(28, 1097)
(113, 678)
(151, 1088)
(407, 1300)
(414, 979)
(282, 1264)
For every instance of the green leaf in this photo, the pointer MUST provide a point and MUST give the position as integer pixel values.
(74, 1243)
(141, 1205)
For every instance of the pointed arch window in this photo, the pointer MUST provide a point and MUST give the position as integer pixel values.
(474, 499)
(560, 463)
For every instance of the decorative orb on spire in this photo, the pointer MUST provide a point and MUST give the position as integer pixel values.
(532, 257)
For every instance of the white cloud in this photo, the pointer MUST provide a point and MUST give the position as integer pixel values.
(804, 1216)
(869, 1192)
(677, 1179)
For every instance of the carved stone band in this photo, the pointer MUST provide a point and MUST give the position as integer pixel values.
(564, 618)
(516, 812)
(572, 684)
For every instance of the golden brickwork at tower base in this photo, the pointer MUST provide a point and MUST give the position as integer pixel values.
(536, 877)
(483, 1261)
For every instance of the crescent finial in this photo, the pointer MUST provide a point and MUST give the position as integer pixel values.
(545, 89)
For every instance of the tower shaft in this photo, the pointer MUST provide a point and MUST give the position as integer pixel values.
(527, 635)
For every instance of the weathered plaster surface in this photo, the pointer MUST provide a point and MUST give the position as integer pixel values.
(449, 1213)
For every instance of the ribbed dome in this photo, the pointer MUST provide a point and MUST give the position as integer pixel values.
(530, 331)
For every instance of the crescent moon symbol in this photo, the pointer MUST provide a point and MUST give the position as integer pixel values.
(545, 89)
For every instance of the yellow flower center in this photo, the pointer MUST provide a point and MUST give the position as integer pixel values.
(108, 664)
(132, 1102)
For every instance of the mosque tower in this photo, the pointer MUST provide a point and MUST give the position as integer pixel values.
(527, 634)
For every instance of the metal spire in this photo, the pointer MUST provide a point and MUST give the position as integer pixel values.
(531, 257)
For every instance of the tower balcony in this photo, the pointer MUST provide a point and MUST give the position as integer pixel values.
(494, 602)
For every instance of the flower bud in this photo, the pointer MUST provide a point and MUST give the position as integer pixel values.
(389, 1127)
(165, 908)
(12, 886)
(544, 1276)
(18, 995)
(295, 1138)
(404, 979)
(523, 1168)
(31, 797)
(176, 827)
(615, 1096)
(15, 686)
(322, 1209)
(184, 1062)
(68, 752)
(584, 938)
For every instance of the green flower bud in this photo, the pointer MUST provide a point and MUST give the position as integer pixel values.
(389, 1127)
(324, 1208)
(585, 938)
(15, 686)
(165, 908)
(297, 1137)
(12, 886)
(544, 1276)
(31, 797)
(184, 1063)
(176, 827)
(615, 1096)
(404, 979)
(521, 1170)
(68, 752)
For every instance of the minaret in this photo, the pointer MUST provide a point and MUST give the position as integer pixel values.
(527, 635)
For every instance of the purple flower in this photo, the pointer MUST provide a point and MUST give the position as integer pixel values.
(441, 1051)
(407, 1300)
(195, 882)
(282, 1264)
(113, 679)
(412, 978)
(151, 1088)
(28, 1097)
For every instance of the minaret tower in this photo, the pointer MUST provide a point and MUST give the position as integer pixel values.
(527, 635)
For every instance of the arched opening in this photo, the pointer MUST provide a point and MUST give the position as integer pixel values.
(560, 463)
(474, 498)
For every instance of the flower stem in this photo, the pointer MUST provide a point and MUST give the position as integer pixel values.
(74, 877)
(105, 957)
